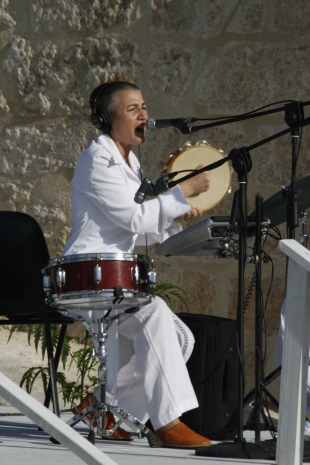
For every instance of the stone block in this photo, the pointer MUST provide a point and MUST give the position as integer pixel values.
(291, 19)
(6, 19)
(201, 291)
(260, 74)
(273, 155)
(248, 17)
(53, 15)
(27, 150)
(199, 19)
(36, 169)
(68, 70)
(4, 107)
(172, 69)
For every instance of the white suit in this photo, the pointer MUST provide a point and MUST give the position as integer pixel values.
(147, 374)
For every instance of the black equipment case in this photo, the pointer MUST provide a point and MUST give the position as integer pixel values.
(213, 371)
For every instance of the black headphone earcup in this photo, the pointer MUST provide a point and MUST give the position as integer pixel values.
(95, 119)
(101, 120)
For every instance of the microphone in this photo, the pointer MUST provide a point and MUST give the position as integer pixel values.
(153, 123)
(146, 188)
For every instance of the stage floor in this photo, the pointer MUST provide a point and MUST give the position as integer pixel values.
(21, 442)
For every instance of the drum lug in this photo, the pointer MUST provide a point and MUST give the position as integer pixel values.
(151, 282)
(152, 277)
(60, 277)
(135, 274)
(97, 274)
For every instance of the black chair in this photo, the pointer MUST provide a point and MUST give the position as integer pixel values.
(23, 255)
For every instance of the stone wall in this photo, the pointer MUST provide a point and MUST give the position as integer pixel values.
(193, 58)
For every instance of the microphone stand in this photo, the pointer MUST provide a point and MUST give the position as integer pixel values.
(293, 114)
(242, 164)
(162, 184)
(258, 420)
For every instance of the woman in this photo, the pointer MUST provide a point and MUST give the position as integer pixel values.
(148, 376)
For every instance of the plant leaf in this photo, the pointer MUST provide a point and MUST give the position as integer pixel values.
(168, 292)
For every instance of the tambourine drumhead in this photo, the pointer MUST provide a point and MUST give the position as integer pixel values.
(188, 159)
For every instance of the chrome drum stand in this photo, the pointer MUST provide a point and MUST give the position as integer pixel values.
(97, 422)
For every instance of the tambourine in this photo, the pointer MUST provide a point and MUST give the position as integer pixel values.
(188, 157)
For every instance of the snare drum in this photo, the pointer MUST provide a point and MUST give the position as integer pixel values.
(88, 281)
(188, 157)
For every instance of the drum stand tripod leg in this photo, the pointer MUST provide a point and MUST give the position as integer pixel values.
(100, 409)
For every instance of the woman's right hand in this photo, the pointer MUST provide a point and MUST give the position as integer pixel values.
(196, 184)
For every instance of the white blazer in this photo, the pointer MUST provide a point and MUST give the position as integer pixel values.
(105, 217)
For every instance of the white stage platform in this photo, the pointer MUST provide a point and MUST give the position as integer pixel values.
(21, 442)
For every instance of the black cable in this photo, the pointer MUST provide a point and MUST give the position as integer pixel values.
(249, 293)
(271, 279)
(276, 230)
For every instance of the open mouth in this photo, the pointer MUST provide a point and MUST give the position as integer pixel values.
(140, 130)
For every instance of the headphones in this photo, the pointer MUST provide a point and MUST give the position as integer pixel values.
(99, 117)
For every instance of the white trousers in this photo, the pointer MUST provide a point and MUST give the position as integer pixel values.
(147, 353)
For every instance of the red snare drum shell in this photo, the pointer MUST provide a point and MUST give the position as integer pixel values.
(73, 279)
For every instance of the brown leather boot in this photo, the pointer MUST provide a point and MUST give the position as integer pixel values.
(119, 434)
(180, 436)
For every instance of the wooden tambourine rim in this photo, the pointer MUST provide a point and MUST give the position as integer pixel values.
(180, 152)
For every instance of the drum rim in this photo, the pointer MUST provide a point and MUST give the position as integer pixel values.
(101, 293)
(91, 292)
(94, 297)
(93, 257)
(181, 151)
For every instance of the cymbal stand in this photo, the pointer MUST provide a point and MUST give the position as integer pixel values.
(99, 410)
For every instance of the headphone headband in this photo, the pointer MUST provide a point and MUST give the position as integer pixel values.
(97, 91)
